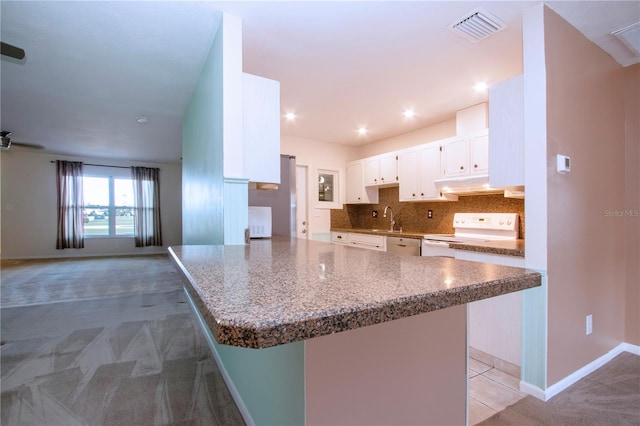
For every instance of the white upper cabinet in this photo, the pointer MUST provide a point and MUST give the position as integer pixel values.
(479, 154)
(506, 121)
(418, 168)
(261, 129)
(456, 157)
(357, 193)
(408, 175)
(466, 156)
(381, 170)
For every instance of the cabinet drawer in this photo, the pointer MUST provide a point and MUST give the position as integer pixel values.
(372, 242)
(340, 237)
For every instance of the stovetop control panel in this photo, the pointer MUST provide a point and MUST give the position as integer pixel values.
(486, 221)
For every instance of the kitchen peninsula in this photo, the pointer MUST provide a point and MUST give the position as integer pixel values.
(380, 339)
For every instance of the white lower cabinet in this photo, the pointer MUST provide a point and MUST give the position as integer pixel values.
(366, 241)
(340, 238)
(495, 324)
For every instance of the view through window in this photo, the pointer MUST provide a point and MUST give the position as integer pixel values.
(108, 206)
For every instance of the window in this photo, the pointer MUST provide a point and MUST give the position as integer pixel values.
(108, 206)
(327, 195)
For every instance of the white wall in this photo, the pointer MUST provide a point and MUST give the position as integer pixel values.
(29, 207)
(318, 155)
(442, 130)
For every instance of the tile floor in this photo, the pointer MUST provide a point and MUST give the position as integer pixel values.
(490, 391)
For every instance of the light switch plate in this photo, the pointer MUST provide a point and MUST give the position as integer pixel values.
(563, 164)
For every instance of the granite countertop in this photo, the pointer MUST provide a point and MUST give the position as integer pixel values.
(282, 290)
(506, 248)
(384, 232)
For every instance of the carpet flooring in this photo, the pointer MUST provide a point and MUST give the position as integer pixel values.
(127, 350)
(608, 396)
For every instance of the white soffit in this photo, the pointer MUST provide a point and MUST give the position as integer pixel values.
(630, 37)
(597, 20)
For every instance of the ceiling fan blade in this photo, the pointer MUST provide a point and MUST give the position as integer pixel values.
(27, 145)
(11, 51)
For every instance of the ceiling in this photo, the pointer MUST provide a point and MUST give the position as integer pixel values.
(92, 68)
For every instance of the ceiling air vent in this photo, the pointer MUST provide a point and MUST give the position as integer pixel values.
(477, 25)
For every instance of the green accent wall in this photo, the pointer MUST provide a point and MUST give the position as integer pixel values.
(534, 334)
(202, 154)
(271, 381)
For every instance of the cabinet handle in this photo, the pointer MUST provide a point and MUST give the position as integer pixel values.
(413, 195)
(375, 180)
(422, 194)
(339, 237)
(461, 167)
(475, 166)
(304, 222)
(381, 178)
(304, 231)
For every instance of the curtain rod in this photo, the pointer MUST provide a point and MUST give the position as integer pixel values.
(102, 165)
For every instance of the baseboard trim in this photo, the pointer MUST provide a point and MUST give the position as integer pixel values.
(628, 347)
(558, 387)
(244, 411)
(532, 390)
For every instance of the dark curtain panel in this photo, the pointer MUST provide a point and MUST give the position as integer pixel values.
(70, 205)
(146, 206)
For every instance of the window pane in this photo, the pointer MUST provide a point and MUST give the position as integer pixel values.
(123, 189)
(123, 194)
(96, 205)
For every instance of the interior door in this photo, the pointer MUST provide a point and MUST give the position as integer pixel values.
(302, 220)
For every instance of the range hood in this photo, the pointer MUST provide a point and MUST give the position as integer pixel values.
(466, 185)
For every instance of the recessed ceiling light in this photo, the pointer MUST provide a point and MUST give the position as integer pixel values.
(409, 113)
(290, 116)
(481, 86)
(142, 120)
(362, 131)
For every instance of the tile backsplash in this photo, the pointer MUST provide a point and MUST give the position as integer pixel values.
(413, 216)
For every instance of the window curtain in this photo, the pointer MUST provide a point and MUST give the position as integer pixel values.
(146, 206)
(70, 205)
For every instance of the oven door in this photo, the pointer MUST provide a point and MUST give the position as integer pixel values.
(437, 248)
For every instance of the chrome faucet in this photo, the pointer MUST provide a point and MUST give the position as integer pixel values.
(393, 222)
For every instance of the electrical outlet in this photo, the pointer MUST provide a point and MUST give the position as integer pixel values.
(589, 324)
(374, 213)
(429, 214)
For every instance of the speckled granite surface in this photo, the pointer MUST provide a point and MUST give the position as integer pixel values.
(506, 248)
(282, 290)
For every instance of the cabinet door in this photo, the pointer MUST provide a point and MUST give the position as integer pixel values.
(479, 147)
(372, 171)
(408, 175)
(261, 128)
(506, 121)
(456, 157)
(429, 171)
(354, 183)
(388, 169)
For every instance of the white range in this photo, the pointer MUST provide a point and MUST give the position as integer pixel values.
(472, 227)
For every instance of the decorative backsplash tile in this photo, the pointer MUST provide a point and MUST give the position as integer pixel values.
(413, 216)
